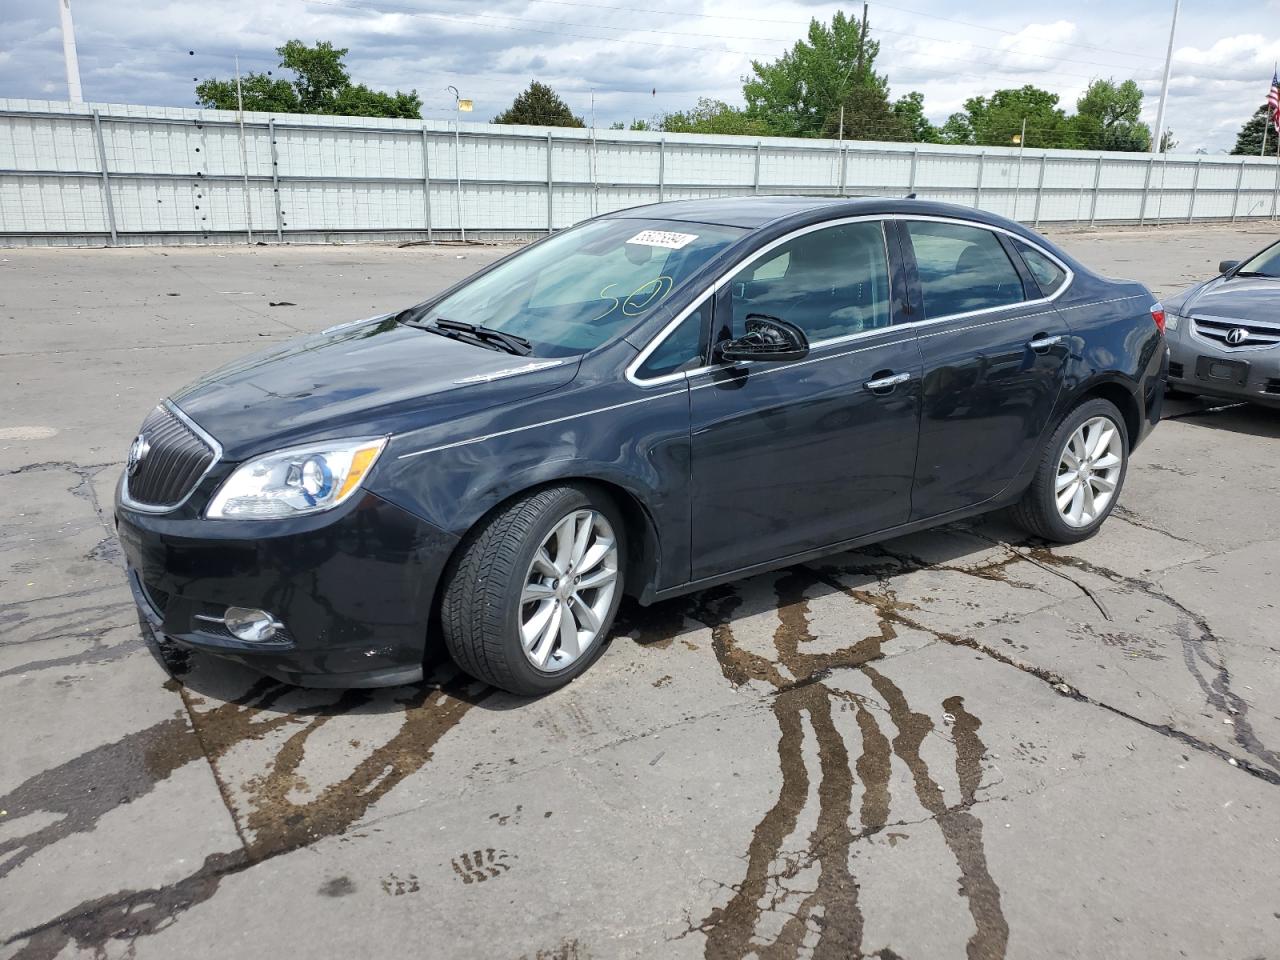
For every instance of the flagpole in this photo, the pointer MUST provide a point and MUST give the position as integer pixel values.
(1270, 113)
(1158, 146)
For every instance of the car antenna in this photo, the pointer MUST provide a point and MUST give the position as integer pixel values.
(909, 196)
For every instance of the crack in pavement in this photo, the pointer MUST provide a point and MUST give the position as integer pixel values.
(831, 910)
(272, 826)
(1218, 692)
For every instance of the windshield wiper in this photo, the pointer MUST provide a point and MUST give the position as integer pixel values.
(1255, 273)
(505, 341)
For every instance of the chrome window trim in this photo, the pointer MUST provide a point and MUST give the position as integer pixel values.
(633, 367)
(660, 337)
(199, 432)
(762, 371)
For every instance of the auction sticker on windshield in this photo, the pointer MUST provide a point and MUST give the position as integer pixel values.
(663, 238)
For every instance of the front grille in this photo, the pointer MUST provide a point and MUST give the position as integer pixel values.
(281, 638)
(175, 460)
(1175, 369)
(1257, 333)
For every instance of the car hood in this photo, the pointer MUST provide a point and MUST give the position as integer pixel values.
(366, 378)
(1239, 298)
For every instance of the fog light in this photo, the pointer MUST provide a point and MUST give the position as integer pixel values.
(255, 626)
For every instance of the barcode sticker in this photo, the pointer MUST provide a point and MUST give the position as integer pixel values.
(663, 238)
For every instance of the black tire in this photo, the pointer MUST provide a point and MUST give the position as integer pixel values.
(1037, 511)
(480, 607)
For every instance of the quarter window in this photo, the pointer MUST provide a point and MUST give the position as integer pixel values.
(1049, 276)
(683, 349)
(829, 283)
(962, 269)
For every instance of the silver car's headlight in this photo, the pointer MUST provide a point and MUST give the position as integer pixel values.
(1171, 320)
(297, 481)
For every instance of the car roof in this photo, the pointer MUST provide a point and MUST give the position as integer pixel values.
(752, 212)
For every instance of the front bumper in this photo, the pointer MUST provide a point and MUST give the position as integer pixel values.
(1197, 365)
(353, 589)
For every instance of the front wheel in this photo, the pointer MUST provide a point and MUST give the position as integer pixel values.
(1079, 477)
(534, 590)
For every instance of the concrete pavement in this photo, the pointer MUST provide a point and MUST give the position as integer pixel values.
(959, 743)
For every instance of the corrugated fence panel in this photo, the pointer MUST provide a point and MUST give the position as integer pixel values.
(175, 175)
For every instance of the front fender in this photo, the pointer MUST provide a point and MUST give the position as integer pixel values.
(634, 441)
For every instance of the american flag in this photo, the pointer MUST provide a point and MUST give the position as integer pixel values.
(1273, 101)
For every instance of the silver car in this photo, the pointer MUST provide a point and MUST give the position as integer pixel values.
(1224, 334)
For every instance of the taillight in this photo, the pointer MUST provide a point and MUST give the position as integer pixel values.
(1157, 314)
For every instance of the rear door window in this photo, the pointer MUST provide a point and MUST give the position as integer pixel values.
(962, 269)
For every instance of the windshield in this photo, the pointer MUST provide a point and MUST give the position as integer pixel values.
(1265, 264)
(582, 287)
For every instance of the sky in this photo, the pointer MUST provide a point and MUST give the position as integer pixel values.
(643, 58)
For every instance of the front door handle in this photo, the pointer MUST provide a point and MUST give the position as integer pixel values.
(1042, 342)
(886, 384)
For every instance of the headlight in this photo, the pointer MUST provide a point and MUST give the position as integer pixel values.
(295, 482)
(1171, 320)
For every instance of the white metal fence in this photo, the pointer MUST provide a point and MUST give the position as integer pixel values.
(94, 173)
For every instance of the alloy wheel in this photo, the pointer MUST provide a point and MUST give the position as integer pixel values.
(1089, 471)
(568, 590)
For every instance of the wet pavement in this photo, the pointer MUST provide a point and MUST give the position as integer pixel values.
(961, 743)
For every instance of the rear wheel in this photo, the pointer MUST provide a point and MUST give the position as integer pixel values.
(1079, 477)
(534, 590)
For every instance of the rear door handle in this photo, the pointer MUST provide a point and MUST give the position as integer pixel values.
(1042, 343)
(883, 385)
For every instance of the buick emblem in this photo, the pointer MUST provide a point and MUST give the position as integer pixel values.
(138, 451)
(1237, 336)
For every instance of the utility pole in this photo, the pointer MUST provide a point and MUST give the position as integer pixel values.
(69, 55)
(1157, 145)
(862, 42)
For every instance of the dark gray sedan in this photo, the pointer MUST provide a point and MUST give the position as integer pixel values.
(1224, 334)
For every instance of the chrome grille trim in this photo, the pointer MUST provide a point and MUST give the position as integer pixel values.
(1214, 330)
(171, 456)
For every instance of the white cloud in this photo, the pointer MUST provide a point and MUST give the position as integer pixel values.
(138, 51)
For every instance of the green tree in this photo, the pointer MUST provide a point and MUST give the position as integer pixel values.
(1107, 118)
(261, 91)
(797, 94)
(997, 120)
(1249, 139)
(867, 115)
(539, 106)
(957, 130)
(321, 84)
(717, 117)
(909, 109)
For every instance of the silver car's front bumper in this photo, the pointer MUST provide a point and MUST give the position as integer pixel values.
(1198, 364)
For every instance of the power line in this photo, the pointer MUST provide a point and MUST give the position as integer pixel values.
(883, 30)
(888, 6)
(471, 20)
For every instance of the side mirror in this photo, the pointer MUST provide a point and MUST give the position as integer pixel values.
(767, 338)
(1226, 266)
